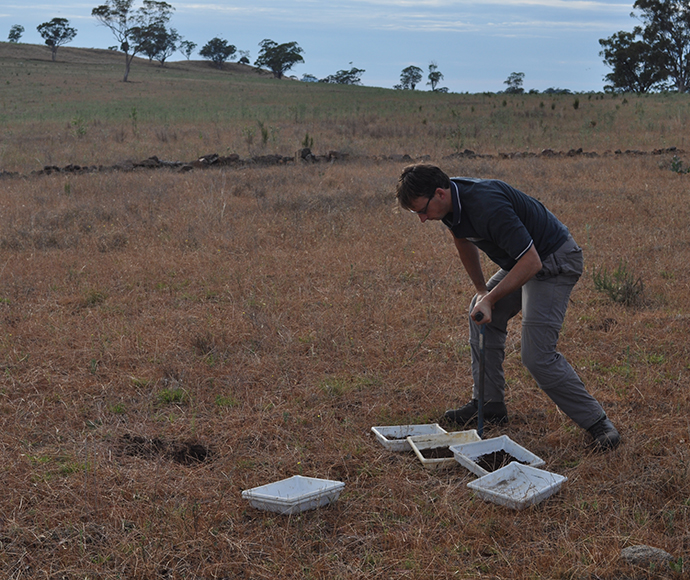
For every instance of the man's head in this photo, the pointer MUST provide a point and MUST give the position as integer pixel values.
(420, 181)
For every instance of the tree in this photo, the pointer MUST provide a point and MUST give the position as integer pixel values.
(217, 51)
(667, 30)
(56, 33)
(514, 82)
(156, 41)
(152, 36)
(166, 43)
(636, 66)
(131, 27)
(119, 17)
(187, 48)
(435, 77)
(278, 58)
(345, 77)
(653, 53)
(16, 31)
(410, 77)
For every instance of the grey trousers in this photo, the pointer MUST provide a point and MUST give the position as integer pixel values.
(543, 301)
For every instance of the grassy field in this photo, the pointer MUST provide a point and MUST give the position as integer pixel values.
(170, 339)
(75, 111)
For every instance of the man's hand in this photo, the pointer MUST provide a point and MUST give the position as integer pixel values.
(526, 267)
(481, 313)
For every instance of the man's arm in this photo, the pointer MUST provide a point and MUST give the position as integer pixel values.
(525, 268)
(469, 256)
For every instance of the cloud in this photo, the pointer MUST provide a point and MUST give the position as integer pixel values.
(574, 5)
(422, 15)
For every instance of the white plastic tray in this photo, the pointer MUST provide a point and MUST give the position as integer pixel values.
(294, 494)
(394, 437)
(418, 443)
(467, 454)
(517, 486)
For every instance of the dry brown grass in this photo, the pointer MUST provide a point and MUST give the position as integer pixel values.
(273, 315)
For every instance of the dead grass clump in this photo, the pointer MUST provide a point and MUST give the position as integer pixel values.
(112, 242)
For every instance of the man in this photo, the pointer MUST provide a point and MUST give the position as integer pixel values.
(539, 265)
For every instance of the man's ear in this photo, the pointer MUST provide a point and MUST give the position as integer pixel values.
(441, 192)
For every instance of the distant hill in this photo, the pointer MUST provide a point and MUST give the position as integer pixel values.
(100, 56)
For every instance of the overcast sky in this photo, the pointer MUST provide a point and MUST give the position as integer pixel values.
(475, 43)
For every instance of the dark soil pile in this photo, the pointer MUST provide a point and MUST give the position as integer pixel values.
(436, 453)
(181, 452)
(495, 460)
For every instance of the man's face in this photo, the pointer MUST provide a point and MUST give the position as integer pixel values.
(432, 208)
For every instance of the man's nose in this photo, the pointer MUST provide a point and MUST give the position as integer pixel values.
(422, 217)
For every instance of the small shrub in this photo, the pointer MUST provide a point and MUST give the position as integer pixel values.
(134, 118)
(79, 126)
(248, 134)
(621, 285)
(677, 166)
(264, 133)
(308, 141)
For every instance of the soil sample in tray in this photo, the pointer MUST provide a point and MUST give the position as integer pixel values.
(436, 453)
(495, 460)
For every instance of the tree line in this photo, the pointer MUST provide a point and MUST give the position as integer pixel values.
(655, 55)
(145, 31)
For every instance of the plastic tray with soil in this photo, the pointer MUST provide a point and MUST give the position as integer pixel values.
(437, 453)
(488, 455)
(434, 450)
(394, 437)
(517, 486)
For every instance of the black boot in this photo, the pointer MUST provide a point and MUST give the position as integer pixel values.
(494, 413)
(605, 434)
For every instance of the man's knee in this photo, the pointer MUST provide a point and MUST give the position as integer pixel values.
(541, 364)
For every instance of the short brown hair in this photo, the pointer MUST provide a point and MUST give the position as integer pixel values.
(420, 180)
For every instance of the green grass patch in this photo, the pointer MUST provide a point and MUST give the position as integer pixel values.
(177, 396)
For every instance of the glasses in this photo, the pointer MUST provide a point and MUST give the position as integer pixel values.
(426, 207)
